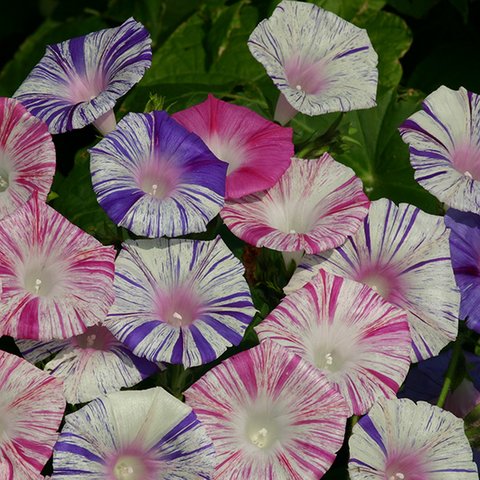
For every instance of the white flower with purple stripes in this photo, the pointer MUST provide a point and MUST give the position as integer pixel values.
(358, 340)
(402, 253)
(401, 440)
(155, 178)
(444, 140)
(179, 301)
(27, 156)
(314, 206)
(31, 409)
(320, 62)
(57, 280)
(134, 435)
(91, 364)
(77, 82)
(271, 416)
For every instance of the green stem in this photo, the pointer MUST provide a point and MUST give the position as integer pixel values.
(179, 376)
(452, 367)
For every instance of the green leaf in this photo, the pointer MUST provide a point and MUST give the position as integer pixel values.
(374, 149)
(33, 48)
(76, 201)
(462, 7)
(348, 9)
(391, 39)
(413, 8)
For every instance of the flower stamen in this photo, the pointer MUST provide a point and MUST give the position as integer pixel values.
(38, 284)
(259, 439)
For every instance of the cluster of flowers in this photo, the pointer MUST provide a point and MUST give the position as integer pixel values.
(375, 292)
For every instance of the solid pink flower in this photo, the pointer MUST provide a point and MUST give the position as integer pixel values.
(257, 151)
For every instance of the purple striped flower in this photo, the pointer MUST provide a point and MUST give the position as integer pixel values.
(271, 416)
(403, 254)
(314, 206)
(319, 62)
(90, 365)
(179, 301)
(358, 340)
(155, 178)
(27, 156)
(444, 140)
(56, 279)
(401, 440)
(31, 409)
(465, 251)
(78, 81)
(134, 435)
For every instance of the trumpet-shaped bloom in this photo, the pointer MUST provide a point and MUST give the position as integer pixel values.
(134, 435)
(179, 301)
(320, 62)
(27, 156)
(444, 140)
(56, 279)
(271, 416)
(401, 440)
(359, 341)
(403, 253)
(155, 178)
(314, 207)
(78, 81)
(91, 364)
(31, 409)
(257, 151)
(465, 251)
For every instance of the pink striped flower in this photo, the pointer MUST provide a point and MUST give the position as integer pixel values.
(27, 156)
(257, 151)
(402, 253)
(345, 329)
(271, 416)
(31, 409)
(315, 205)
(57, 280)
(91, 364)
(401, 440)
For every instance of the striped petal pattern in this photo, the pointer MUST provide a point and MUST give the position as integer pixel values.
(79, 81)
(444, 141)
(134, 435)
(27, 156)
(257, 151)
(402, 253)
(155, 178)
(31, 409)
(358, 340)
(271, 416)
(320, 62)
(90, 365)
(399, 439)
(56, 279)
(315, 205)
(179, 301)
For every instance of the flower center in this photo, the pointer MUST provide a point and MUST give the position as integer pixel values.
(129, 468)
(95, 338)
(84, 89)
(378, 283)
(158, 180)
(40, 281)
(179, 308)
(307, 76)
(328, 359)
(4, 180)
(406, 466)
(466, 159)
(262, 432)
(228, 150)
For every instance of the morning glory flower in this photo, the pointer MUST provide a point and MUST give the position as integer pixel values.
(257, 151)
(31, 409)
(444, 140)
(271, 416)
(403, 253)
(56, 279)
(319, 62)
(358, 340)
(465, 251)
(90, 365)
(401, 440)
(314, 207)
(78, 82)
(155, 178)
(179, 301)
(133, 435)
(27, 156)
